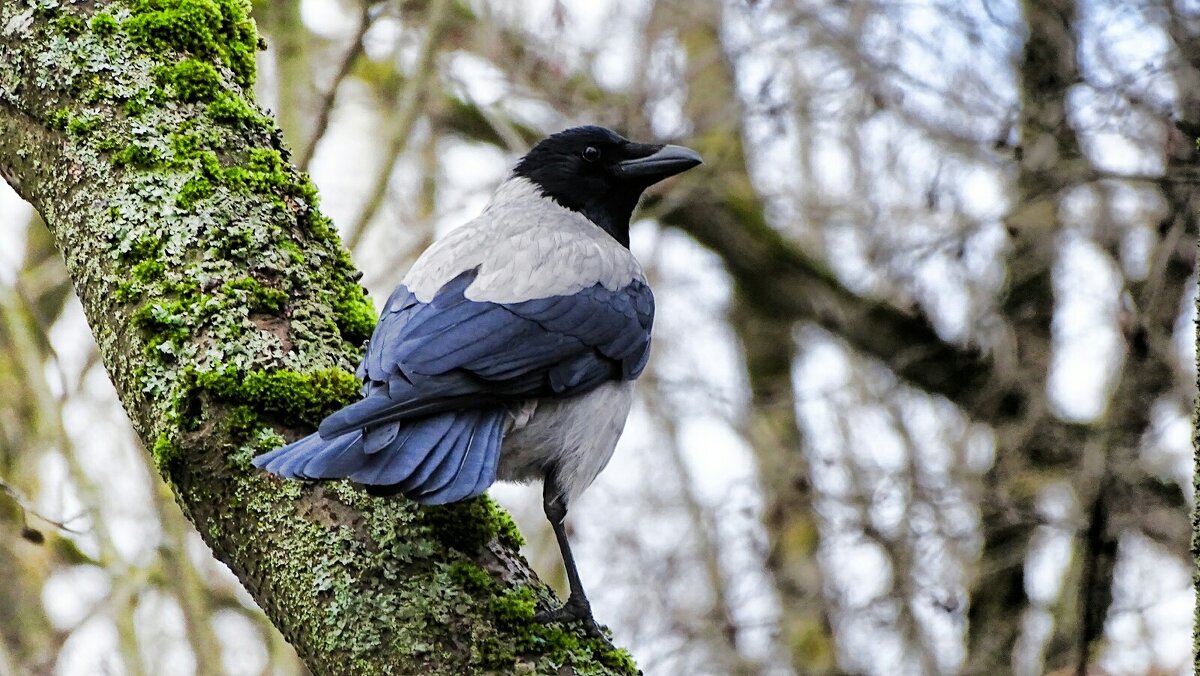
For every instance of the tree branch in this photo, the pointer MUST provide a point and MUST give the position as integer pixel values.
(226, 313)
(325, 110)
(414, 93)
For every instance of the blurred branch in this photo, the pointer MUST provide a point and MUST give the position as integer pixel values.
(325, 109)
(765, 333)
(185, 582)
(1028, 457)
(1128, 497)
(784, 281)
(718, 627)
(26, 635)
(123, 602)
(905, 549)
(293, 78)
(400, 123)
(49, 413)
(26, 509)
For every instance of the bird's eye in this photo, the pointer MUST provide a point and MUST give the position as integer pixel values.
(591, 153)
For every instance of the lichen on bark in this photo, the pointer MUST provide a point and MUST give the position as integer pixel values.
(229, 317)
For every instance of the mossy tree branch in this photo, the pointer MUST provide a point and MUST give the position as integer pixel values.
(227, 314)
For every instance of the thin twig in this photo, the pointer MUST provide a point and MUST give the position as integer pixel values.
(27, 510)
(321, 125)
(411, 97)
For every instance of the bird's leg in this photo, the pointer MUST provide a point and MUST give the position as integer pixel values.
(577, 606)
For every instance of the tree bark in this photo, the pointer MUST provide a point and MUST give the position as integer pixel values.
(227, 314)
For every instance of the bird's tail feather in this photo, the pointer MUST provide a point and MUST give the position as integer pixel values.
(435, 460)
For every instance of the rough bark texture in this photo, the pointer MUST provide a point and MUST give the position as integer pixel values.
(227, 314)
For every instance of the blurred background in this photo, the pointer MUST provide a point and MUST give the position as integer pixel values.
(924, 356)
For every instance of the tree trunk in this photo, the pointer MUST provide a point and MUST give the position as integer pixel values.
(227, 314)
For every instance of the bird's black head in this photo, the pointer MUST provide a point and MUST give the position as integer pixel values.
(600, 174)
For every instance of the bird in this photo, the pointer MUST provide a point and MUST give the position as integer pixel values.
(509, 349)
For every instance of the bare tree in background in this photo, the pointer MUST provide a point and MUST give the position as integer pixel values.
(929, 301)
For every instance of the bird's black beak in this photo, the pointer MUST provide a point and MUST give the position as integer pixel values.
(664, 162)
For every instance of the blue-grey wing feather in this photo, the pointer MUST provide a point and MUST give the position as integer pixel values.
(436, 375)
(453, 353)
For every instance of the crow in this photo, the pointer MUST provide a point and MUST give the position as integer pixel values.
(510, 348)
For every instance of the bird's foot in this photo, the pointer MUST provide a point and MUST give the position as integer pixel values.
(575, 609)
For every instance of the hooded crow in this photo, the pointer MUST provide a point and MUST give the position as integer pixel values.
(510, 349)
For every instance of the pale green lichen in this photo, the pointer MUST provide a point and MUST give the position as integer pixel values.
(258, 298)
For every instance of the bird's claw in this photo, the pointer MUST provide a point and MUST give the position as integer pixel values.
(575, 609)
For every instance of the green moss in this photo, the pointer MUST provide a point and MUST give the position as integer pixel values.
(127, 292)
(104, 24)
(468, 526)
(516, 607)
(621, 660)
(292, 396)
(97, 93)
(257, 297)
(165, 452)
(69, 25)
(139, 248)
(136, 106)
(109, 143)
(149, 270)
(185, 147)
(134, 155)
(243, 422)
(216, 30)
(471, 577)
(193, 190)
(161, 321)
(263, 172)
(59, 119)
(293, 252)
(210, 166)
(191, 80)
(355, 315)
(83, 124)
(233, 110)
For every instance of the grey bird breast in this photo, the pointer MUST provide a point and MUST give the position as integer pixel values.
(577, 435)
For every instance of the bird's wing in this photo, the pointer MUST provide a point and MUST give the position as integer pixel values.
(453, 353)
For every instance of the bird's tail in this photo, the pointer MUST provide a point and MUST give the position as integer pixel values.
(434, 460)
